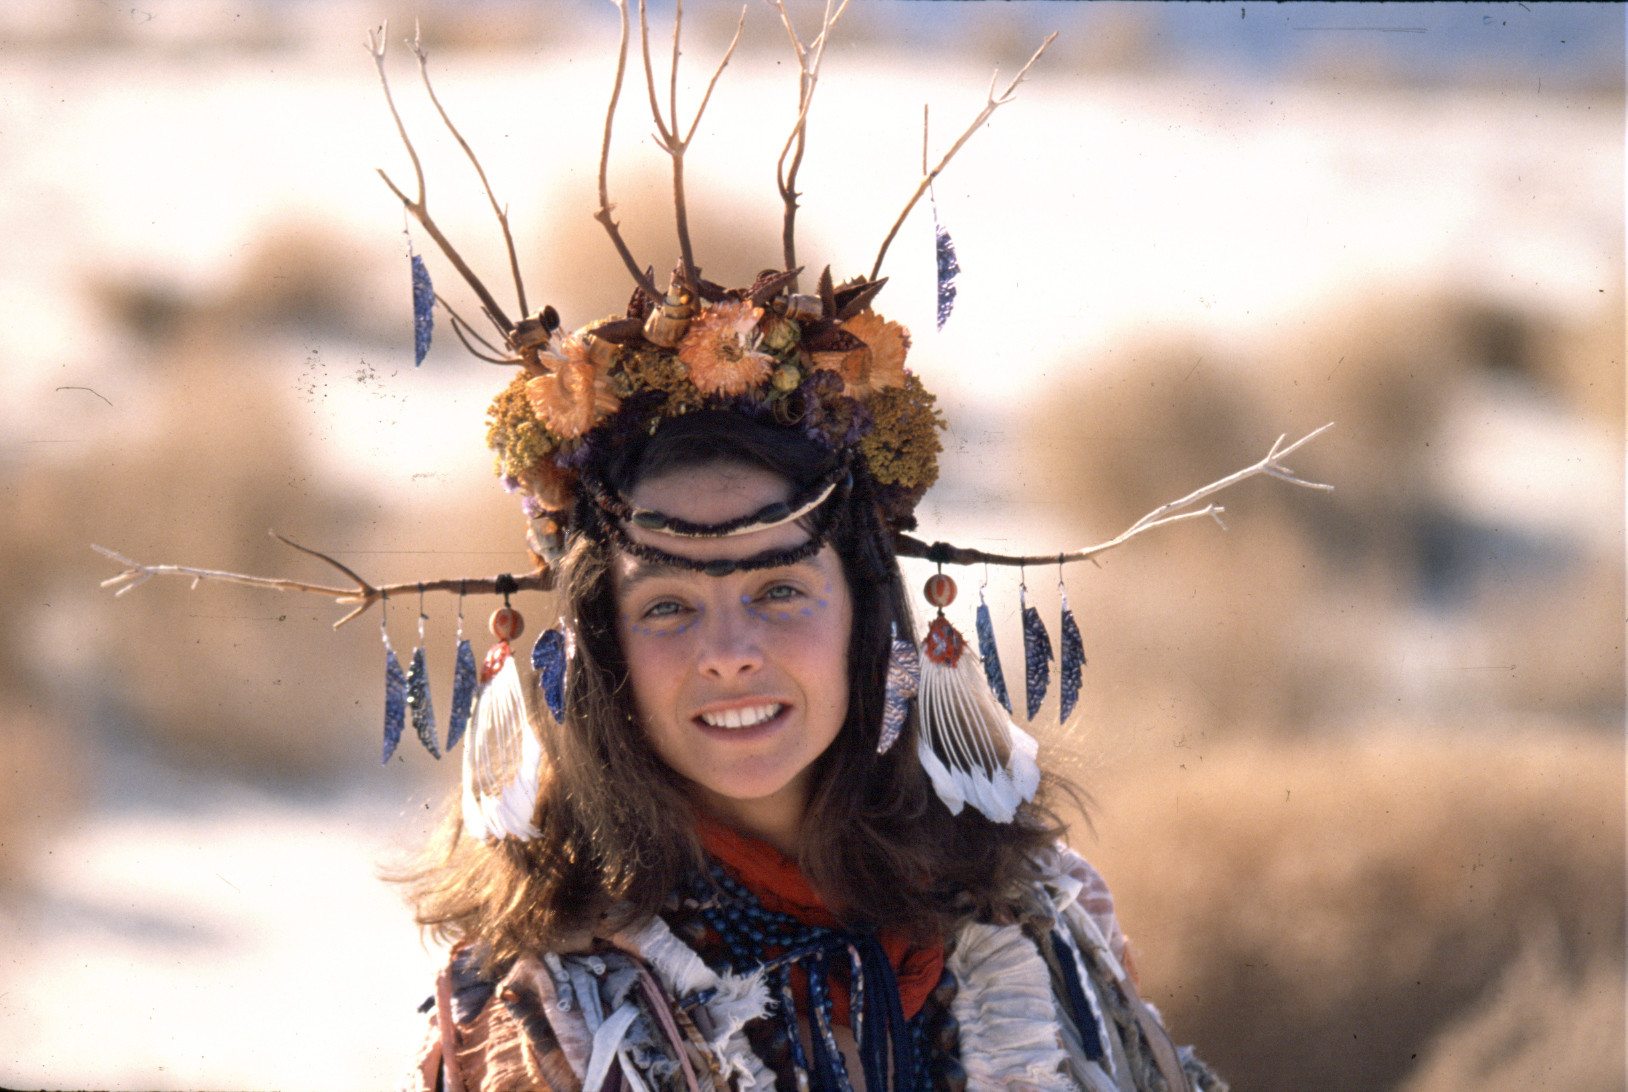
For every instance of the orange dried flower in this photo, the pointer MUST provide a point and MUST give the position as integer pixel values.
(721, 349)
(879, 365)
(572, 397)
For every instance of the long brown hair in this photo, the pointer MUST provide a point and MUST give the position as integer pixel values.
(618, 831)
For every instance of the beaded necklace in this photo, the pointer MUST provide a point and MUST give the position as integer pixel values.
(756, 937)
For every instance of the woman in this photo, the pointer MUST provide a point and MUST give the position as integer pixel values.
(729, 886)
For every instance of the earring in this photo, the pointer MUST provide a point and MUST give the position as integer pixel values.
(903, 682)
(548, 660)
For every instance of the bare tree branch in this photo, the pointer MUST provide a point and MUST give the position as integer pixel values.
(500, 211)
(364, 594)
(667, 129)
(417, 207)
(983, 116)
(1271, 466)
(604, 214)
(808, 77)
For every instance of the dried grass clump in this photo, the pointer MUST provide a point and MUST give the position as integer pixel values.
(1315, 915)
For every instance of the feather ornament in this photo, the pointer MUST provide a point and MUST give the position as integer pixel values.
(903, 683)
(1037, 656)
(990, 655)
(395, 700)
(948, 267)
(548, 660)
(503, 756)
(423, 310)
(418, 700)
(972, 751)
(1072, 660)
(464, 678)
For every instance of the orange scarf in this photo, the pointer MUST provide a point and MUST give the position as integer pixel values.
(781, 887)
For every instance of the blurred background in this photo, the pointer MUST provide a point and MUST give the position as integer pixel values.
(1357, 759)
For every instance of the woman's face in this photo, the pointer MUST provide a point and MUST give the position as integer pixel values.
(741, 681)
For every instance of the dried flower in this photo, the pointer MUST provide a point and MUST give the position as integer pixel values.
(572, 397)
(879, 364)
(721, 349)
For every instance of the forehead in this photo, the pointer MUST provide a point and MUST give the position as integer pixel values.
(714, 493)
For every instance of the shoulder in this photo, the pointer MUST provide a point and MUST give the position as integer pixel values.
(1076, 889)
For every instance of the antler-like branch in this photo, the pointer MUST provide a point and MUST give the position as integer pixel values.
(417, 207)
(605, 206)
(500, 211)
(808, 77)
(1272, 465)
(983, 116)
(667, 129)
(364, 594)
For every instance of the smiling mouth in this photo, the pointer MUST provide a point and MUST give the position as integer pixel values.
(749, 717)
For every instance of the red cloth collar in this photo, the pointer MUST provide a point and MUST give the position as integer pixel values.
(780, 886)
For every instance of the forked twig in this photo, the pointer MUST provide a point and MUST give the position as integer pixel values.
(418, 207)
(1272, 466)
(808, 77)
(667, 128)
(605, 206)
(983, 116)
(500, 211)
(364, 594)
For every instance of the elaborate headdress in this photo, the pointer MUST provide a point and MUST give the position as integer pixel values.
(824, 363)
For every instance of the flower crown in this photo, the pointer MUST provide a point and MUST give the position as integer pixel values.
(827, 365)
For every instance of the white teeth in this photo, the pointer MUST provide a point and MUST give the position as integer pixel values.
(741, 718)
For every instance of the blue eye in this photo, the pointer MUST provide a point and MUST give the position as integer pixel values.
(666, 608)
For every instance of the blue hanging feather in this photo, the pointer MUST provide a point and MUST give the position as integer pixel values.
(395, 701)
(948, 267)
(1037, 658)
(903, 681)
(424, 310)
(418, 700)
(548, 660)
(1073, 659)
(991, 656)
(464, 677)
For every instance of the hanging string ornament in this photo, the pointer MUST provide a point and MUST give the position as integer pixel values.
(418, 690)
(423, 309)
(903, 683)
(1072, 659)
(395, 693)
(1037, 654)
(991, 656)
(464, 678)
(503, 756)
(971, 750)
(548, 658)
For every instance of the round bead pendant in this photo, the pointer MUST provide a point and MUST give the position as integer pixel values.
(506, 623)
(940, 590)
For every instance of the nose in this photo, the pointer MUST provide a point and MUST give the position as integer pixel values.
(729, 645)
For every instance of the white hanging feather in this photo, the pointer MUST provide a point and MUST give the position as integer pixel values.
(970, 748)
(502, 756)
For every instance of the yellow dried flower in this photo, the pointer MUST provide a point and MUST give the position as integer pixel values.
(902, 448)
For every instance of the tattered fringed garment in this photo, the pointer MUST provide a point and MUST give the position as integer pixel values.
(1044, 1004)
